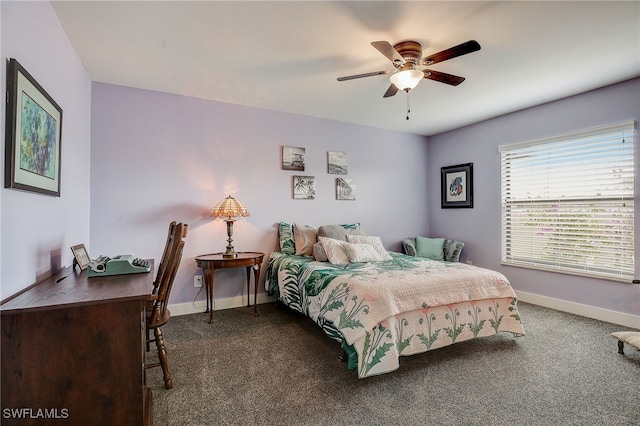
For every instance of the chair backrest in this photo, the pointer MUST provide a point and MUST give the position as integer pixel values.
(168, 269)
(168, 246)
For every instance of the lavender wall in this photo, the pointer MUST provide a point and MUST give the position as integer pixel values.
(157, 157)
(37, 230)
(479, 227)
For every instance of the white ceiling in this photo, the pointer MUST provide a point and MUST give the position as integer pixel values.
(286, 55)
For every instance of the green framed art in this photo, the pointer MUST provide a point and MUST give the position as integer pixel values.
(33, 135)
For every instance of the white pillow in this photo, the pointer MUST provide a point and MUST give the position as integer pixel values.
(375, 242)
(335, 252)
(361, 252)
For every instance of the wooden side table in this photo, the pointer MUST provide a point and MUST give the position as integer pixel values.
(248, 259)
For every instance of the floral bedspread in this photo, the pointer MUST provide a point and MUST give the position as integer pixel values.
(402, 306)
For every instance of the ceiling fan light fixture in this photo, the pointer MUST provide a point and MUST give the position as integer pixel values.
(407, 79)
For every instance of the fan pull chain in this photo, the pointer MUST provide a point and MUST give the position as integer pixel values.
(408, 105)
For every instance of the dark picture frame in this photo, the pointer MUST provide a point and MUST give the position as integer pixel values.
(456, 187)
(33, 135)
(80, 256)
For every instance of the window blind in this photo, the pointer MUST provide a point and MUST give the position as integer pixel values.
(568, 203)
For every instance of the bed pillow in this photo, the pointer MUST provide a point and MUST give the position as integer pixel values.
(351, 225)
(361, 253)
(339, 232)
(318, 253)
(431, 248)
(304, 237)
(373, 241)
(334, 250)
(409, 246)
(452, 250)
(287, 243)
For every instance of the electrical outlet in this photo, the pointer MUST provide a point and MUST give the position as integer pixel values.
(469, 262)
(197, 281)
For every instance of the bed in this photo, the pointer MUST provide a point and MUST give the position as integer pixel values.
(397, 305)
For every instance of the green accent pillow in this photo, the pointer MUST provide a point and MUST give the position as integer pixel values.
(287, 243)
(431, 248)
(452, 250)
(409, 246)
(351, 225)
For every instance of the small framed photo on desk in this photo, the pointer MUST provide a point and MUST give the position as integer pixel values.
(81, 257)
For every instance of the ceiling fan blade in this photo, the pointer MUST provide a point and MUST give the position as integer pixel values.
(368, 74)
(392, 90)
(442, 77)
(452, 52)
(389, 51)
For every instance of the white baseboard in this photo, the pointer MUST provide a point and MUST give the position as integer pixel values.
(627, 320)
(601, 314)
(225, 303)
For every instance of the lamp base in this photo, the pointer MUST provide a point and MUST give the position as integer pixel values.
(230, 254)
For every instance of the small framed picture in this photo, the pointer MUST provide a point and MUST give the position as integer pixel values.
(337, 163)
(456, 189)
(33, 135)
(293, 158)
(304, 187)
(345, 189)
(81, 257)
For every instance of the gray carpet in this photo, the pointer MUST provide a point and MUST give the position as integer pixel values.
(280, 369)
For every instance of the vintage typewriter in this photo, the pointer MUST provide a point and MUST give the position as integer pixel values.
(118, 265)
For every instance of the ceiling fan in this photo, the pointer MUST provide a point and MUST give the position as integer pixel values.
(406, 56)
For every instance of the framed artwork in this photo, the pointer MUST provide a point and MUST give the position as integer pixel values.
(304, 187)
(33, 135)
(80, 256)
(337, 163)
(293, 158)
(345, 189)
(457, 186)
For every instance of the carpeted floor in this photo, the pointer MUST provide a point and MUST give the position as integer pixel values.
(280, 369)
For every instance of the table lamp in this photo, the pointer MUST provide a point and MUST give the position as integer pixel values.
(228, 209)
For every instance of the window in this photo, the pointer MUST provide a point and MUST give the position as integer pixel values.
(567, 203)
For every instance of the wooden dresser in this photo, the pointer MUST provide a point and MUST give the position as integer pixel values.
(73, 349)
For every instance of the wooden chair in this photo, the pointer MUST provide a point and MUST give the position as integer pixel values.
(162, 267)
(157, 314)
